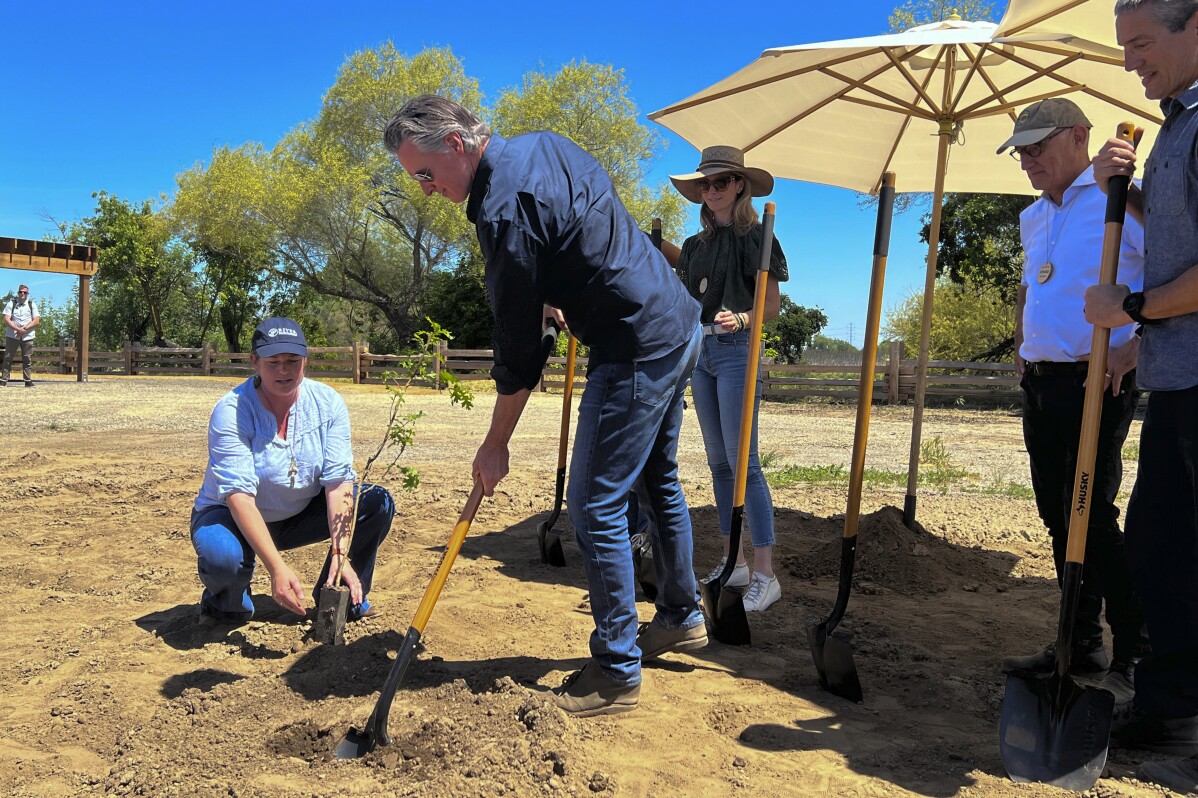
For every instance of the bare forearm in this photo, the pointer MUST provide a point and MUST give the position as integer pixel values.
(340, 501)
(253, 529)
(1176, 298)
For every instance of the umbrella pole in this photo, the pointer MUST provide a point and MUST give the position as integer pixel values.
(925, 332)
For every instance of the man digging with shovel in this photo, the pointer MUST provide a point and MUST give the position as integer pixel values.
(553, 231)
(1062, 236)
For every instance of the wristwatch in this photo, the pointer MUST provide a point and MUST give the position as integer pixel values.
(1133, 306)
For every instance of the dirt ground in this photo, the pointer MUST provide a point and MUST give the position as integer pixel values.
(111, 687)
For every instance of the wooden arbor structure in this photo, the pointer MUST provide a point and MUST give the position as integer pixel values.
(48, 256)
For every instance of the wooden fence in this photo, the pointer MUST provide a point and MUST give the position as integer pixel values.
(894, 378)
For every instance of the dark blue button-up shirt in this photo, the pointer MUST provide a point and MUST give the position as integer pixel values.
(1167, 353)
(554, 232)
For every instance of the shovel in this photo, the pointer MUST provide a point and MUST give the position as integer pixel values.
(724, 605)
(832, 650)
(1053, 730)
(550, 542)
(359, 742)
(333, 603)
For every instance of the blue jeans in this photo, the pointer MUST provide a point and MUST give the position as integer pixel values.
(628, 425)
(226, 561)
(718, 387)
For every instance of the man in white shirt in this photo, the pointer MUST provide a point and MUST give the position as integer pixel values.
(20, 317)
(1062, 235)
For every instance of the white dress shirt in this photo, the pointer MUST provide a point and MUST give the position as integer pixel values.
(1070, 237)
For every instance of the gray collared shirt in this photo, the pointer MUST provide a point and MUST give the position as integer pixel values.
(1167, 353)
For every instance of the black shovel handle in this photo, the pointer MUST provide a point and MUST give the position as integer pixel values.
(1083, 482)
(865, 392)
(750, 392)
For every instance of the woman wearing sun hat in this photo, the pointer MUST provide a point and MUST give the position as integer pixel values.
(719, 268)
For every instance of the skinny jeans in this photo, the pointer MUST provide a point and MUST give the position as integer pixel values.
(718, 388)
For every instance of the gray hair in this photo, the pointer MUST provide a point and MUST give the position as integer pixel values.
(426, 121)
(1173, 14)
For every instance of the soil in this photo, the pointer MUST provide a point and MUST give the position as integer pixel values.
(112, 687)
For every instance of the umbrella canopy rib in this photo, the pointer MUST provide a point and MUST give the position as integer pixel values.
(906, 73)
(902, 105)
(1055, 11)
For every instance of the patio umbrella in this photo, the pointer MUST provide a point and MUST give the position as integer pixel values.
(931, 104)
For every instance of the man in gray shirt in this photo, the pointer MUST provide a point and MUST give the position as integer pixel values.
(20, 317)
(1160, 44)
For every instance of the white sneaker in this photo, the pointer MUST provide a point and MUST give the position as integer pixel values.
(739, 578)
(762, 593)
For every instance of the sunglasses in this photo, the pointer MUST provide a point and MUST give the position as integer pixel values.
(1034, 150)
(423, 176)
(719, 184)
(22, 293)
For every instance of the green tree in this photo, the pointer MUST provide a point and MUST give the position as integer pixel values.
(979, 242)
(232, 246)
(458, 300)
(793, 329)
(966, 325)
(589, 104)
(920, 12)
(142, 268)
(826, 344)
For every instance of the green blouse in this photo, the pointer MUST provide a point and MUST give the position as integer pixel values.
(721, 270)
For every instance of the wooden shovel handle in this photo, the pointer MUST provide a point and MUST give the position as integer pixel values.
(1108, 272)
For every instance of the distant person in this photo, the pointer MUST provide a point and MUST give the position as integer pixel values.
(280, 476)
(20, 317)
(553, 231)
(719, 266)
(1160, 44)
(1062, 234)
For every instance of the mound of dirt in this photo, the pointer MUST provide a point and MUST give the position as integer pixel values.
(892, 556)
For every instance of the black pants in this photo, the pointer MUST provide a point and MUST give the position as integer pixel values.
(1052, 420)
(1162, 544)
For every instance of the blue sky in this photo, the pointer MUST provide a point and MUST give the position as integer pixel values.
(121, 96)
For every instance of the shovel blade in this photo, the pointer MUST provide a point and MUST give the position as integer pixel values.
(1054, 731)
(645, 567)
(357, 743)
(832, 653)
(725, 610)
(331, 609)
(550, 544)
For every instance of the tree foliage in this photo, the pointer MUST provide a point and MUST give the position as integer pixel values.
(143, 270)
(793, 329)
(966, 324)
(921, 12)
(328, 209)
(979, 242)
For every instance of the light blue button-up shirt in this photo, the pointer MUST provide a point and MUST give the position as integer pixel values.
(246, 454)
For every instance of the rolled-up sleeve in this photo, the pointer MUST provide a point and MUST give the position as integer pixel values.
(229, 452)
(338, 465)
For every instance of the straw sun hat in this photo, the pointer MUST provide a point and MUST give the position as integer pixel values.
(718, 160)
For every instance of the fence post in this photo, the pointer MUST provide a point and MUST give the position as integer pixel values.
(892, 372)
(442, 353)
(62, 356)
(206, 360)
(357, 356)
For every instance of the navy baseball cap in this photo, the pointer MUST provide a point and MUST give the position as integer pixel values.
(279, 336)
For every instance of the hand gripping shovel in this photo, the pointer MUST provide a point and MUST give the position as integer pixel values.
(550, 542)
(1053, 730)
(359, 742)
(832, 651)
(725, 606)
